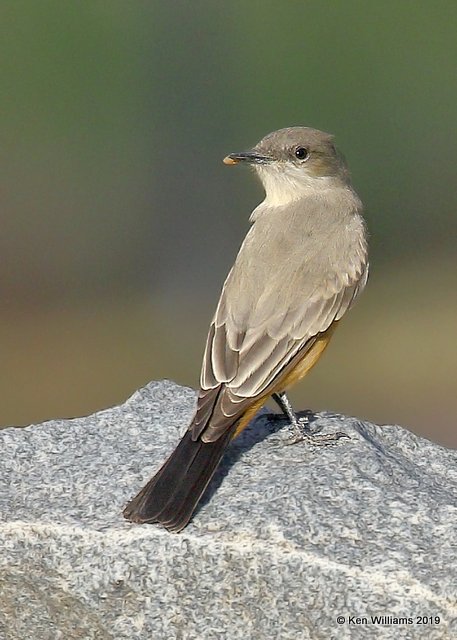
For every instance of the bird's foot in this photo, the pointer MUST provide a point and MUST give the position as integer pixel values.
(301, 432)
(300, 427)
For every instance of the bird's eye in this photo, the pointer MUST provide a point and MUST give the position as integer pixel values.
(301, 153)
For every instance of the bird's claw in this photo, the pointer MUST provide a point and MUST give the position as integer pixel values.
(301, 432)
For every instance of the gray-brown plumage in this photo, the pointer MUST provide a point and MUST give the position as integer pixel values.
(299, 269)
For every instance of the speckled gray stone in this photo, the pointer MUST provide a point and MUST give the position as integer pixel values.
(291, 538)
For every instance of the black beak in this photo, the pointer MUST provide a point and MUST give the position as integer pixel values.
(251, 157)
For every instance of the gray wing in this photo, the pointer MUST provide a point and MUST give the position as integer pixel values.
(264, 318)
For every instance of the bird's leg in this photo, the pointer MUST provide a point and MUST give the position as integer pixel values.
(300, 426)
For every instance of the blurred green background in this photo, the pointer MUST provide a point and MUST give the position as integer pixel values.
(120, 222)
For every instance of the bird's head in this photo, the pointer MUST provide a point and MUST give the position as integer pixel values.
(294, 161)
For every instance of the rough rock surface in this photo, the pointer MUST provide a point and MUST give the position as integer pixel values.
(287, 539)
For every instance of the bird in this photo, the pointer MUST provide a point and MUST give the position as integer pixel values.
(301, 266)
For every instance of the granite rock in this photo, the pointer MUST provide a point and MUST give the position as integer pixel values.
(286, 540)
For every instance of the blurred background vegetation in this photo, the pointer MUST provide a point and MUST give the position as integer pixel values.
(120, 222)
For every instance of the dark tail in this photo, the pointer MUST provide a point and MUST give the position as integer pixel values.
(171, 496)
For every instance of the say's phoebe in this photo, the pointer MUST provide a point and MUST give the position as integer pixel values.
(299, 269)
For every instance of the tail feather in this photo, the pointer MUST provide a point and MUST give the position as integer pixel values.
(171, 496)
